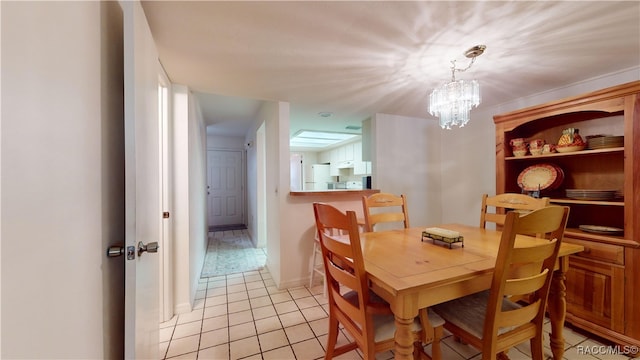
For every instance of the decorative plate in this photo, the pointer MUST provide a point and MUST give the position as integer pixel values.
(590, 194)
(606, 230)
(569, 148)
(556, 184)
(538, 177)
(603, 142)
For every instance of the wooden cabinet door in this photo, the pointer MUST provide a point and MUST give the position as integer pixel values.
(595, 292)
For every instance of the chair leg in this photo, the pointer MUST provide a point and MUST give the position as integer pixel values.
(332, 337)
(313, 263)
(324, 287)
(537, 353)
(418, 351)
(436, 350)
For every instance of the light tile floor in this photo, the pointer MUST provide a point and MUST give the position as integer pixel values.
(244, 316)
(231, 251)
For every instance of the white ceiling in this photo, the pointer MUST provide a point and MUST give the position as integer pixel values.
(359, 58)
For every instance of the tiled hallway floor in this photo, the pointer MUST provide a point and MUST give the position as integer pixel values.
(230, 252)
(244, 316)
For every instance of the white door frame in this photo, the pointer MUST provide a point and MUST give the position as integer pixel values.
(261, 191)
(166, 248)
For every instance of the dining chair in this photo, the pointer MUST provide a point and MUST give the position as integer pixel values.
(384, 208)
(489, 320)
(508, 201)
(317, 267)
(389, 208)
(362, 313)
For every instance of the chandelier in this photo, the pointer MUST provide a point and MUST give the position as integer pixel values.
(453, 101)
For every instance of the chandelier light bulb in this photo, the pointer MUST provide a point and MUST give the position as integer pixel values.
(453, 101)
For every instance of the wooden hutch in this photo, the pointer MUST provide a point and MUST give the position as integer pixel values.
(603, 282)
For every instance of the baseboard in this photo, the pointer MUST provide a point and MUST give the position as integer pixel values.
(182, 308)
(227, 227)
(289, 284)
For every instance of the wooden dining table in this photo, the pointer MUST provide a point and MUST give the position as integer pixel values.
(411, 273)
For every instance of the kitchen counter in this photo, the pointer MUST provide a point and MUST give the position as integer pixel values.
(335, 192)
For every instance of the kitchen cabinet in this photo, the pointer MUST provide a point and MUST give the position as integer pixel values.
(366, 140)
(349, 151)
(340, 155)
(345, 152)
(360, 167)
(334, 170)
(602, 282)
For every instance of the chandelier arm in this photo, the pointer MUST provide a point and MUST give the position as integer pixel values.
(468, 67)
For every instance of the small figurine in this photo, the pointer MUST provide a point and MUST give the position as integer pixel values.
(570, 136)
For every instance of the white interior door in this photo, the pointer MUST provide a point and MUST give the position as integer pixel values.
(225, 186)
(143, 214)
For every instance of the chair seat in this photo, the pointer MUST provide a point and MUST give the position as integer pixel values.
(384, 324)
(468, 312)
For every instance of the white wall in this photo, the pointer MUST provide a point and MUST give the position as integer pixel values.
(198, 228)
(256, 184)
(225, 142)
(275, 116)
(62, 180)
(252, 187)
(406, 155)
(182, 295)
(468, 154)
(189, 197)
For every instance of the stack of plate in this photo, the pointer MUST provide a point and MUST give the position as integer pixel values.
(541, 177)
(603, 142)
(588, 194)
(606, 230)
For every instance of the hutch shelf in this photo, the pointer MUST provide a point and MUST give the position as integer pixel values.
(603, 282)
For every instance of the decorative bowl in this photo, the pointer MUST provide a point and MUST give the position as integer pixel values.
(570, 148)
(520, 153)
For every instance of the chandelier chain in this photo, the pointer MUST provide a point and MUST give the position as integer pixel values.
(454, 69)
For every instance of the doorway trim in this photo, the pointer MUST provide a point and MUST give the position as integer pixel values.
(166, 248)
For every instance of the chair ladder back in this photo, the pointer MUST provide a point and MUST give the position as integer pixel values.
(506, 201)
(533, 267)
(344, 268)
(525, 285)
(517, 317)
(395, 206)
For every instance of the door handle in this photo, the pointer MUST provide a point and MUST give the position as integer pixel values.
(151, 247)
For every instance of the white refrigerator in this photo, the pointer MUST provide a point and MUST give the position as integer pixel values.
(317, 177)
